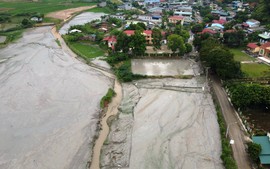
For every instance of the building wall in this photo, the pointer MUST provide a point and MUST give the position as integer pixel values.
(175, 21)
(151, 1)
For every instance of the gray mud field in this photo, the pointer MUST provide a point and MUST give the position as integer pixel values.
(80, 20)
(3, 39)
(49, 105)
(164, 124)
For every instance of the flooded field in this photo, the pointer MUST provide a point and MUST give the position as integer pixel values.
(155, 67)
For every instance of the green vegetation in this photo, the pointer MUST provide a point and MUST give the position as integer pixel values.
(255, 70)
(245, 95)
(52, 20)
(241, 56)
(121, 64)
(58, 42)
(107, 98)
(45, 6)
(99, 9)
(11, 36)
(261, 11)
(86, 50)
(219, 59)
(227, 155)
(254, 151)
(176, 43)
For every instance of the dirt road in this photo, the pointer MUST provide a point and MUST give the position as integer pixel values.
(112, 110)
(236, 132)
(67, 13)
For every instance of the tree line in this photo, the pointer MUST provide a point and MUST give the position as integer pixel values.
(219, 59)
(245, 95)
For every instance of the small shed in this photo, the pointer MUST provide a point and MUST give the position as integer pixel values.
(264, 141)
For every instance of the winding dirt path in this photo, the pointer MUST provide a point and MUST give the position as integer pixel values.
(113, 106)
(112, 110)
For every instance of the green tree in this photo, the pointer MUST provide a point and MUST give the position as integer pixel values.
(188, 47)
(197, 28)
(123, 43)
(241, 16)
(157, 37)
(180, 31)
(138, 26)
(138, 43)
(26, 23)
(254, 151)
(262, 11)
(234, 39)
(176, 42)
(219, 59)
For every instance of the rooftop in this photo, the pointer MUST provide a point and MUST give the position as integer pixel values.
(265, 35)
(252, 45)
(265, 45)
(176, 17)
(264, 141)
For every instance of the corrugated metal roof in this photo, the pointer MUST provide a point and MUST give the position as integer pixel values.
(265, 144)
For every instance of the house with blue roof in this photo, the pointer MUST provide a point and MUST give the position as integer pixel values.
(151, 1)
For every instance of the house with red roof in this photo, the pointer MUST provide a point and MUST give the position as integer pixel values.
(253, 47)
(111, 41)
(209, 31)
(146, 33)
(265, 49)
(176, 19)
(220, 21)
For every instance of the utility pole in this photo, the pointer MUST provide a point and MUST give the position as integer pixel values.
(228, 127)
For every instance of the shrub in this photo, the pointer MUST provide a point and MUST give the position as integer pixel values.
(254, 151)
(226, 155)
(107, 98)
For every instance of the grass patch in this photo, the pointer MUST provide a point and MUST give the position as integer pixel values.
(227, 154)
(255, 70)
(11, 36)
(44, 6)
(241, 56)
(58, 42)
(99, 10)
(52, 20)
(118, 2)
(86, 50)
(107, 98)
(123, 72)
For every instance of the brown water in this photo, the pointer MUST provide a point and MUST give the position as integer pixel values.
(163, 67)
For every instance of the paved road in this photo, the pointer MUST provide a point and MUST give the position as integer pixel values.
(236, 131)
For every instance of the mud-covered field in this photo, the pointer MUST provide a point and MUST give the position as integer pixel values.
(80, 20)
(49, 105)
(163, 124)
